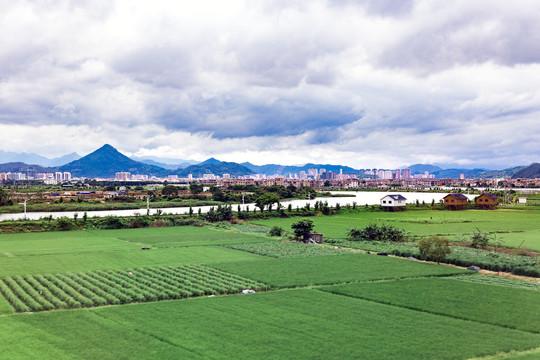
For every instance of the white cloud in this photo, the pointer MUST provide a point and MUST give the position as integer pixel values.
(273, 80)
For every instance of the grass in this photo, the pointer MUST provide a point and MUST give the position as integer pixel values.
(294, 324)
(514, 308)
(460, 256)
(499, 281)
(185, 236)
(60, 252)
(303, 322)
(109, 260)
(318, 270)
(513, 227)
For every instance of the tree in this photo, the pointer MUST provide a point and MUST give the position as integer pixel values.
(434, 247)
(480, 239)
(217, 194)
(4, 198)
(302, 228)
(169, 190)
(196, 188)
(267, 199)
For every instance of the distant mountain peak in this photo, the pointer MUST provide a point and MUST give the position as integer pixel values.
(106, 161)
(107, 147)
(211, 161)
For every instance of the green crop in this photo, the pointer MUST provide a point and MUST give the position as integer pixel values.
(119, 287)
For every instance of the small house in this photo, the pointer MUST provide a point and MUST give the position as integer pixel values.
(455, 201)
(316, 238)
(393, 202)
(486, 201)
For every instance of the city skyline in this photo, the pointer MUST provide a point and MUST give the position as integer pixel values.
(366, 84)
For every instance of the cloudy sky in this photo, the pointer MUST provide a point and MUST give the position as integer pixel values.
(362, 83)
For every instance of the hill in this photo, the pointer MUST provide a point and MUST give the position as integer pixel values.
(106, 161)
(35, 159)
(422, 168)
(16, 167)
(531, 172)
(272, 169)
(211, 167)
(495, 174)
(455, 173)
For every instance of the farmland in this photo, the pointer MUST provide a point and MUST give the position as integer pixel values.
(513, 227)
(98, 294)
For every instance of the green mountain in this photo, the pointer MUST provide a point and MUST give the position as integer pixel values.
(531, 172)
(16, 167)
(215, 167)
(422, 168)
(106, 161)
(272, 169)
(496, 174)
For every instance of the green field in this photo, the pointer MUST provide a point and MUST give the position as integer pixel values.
(515, 308)
(318, 270)
(97, 294)
(514, 227)
(293, 324)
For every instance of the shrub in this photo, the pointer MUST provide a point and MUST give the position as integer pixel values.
(276, 231)
(111, 222)
(64, 224)
(374, 232)
(434, 247)
(480, 239)
(302, 228)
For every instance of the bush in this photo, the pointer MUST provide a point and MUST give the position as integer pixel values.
(480, 239)
(374, 232)
(111, 222)
(276, 231)
(302, 228)
(434, 247)
(64, 224)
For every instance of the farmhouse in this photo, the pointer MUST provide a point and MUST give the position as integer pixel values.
(393, 202)
(486, 201)
(455, 201)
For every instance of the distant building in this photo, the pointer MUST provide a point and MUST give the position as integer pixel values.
(66, 176)
(393, 202)
(486, 201)
(455, 201)
(123, 176)
(405, 173)
(58, 176)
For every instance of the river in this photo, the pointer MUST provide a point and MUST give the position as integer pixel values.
(359, 197)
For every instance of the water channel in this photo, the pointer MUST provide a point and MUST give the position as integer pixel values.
(359, 197)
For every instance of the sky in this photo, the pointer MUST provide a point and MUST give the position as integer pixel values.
(365, 83)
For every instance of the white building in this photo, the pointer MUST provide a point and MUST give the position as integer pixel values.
(393, 202)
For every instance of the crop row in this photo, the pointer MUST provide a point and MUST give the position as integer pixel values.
(286, 249)
(97, 288)
(499, 281)
(460, 256)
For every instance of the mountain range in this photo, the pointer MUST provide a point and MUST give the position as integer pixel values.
(106, 161)
(31, 158)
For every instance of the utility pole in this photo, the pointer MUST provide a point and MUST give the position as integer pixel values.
(24, 208)
(148, 205)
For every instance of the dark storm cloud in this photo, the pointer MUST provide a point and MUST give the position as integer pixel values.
(235, 116)
(475, 35)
